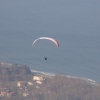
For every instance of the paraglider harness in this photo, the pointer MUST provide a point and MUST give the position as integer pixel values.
(45, 58)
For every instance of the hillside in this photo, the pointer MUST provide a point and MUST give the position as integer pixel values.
(12, 72)
(17, 82)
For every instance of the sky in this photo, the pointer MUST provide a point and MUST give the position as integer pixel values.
(55, 16)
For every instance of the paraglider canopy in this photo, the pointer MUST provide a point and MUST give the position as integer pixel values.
(47, 38)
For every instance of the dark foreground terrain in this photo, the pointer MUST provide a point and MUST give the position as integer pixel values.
(17, 82)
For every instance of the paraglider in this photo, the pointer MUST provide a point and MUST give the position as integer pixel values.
(45, 58)
(46, 38)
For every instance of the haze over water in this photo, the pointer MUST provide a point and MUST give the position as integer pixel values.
(74, 23)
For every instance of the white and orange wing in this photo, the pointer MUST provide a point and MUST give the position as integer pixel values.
(47, 38)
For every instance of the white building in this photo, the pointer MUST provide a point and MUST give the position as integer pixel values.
(21, 83)
(30, 83)
(38, 78)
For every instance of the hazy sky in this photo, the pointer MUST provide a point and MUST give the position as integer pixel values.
(52, 16)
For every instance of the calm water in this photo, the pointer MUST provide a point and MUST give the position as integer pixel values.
(74, 23)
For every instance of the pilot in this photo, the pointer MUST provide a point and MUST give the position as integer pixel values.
(45, 58)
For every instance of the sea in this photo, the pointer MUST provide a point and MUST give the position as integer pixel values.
(75, 24)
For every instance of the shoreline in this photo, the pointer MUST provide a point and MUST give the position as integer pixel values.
(51, 75)
(93, 82)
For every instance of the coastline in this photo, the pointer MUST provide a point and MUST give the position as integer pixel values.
(52, 75)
